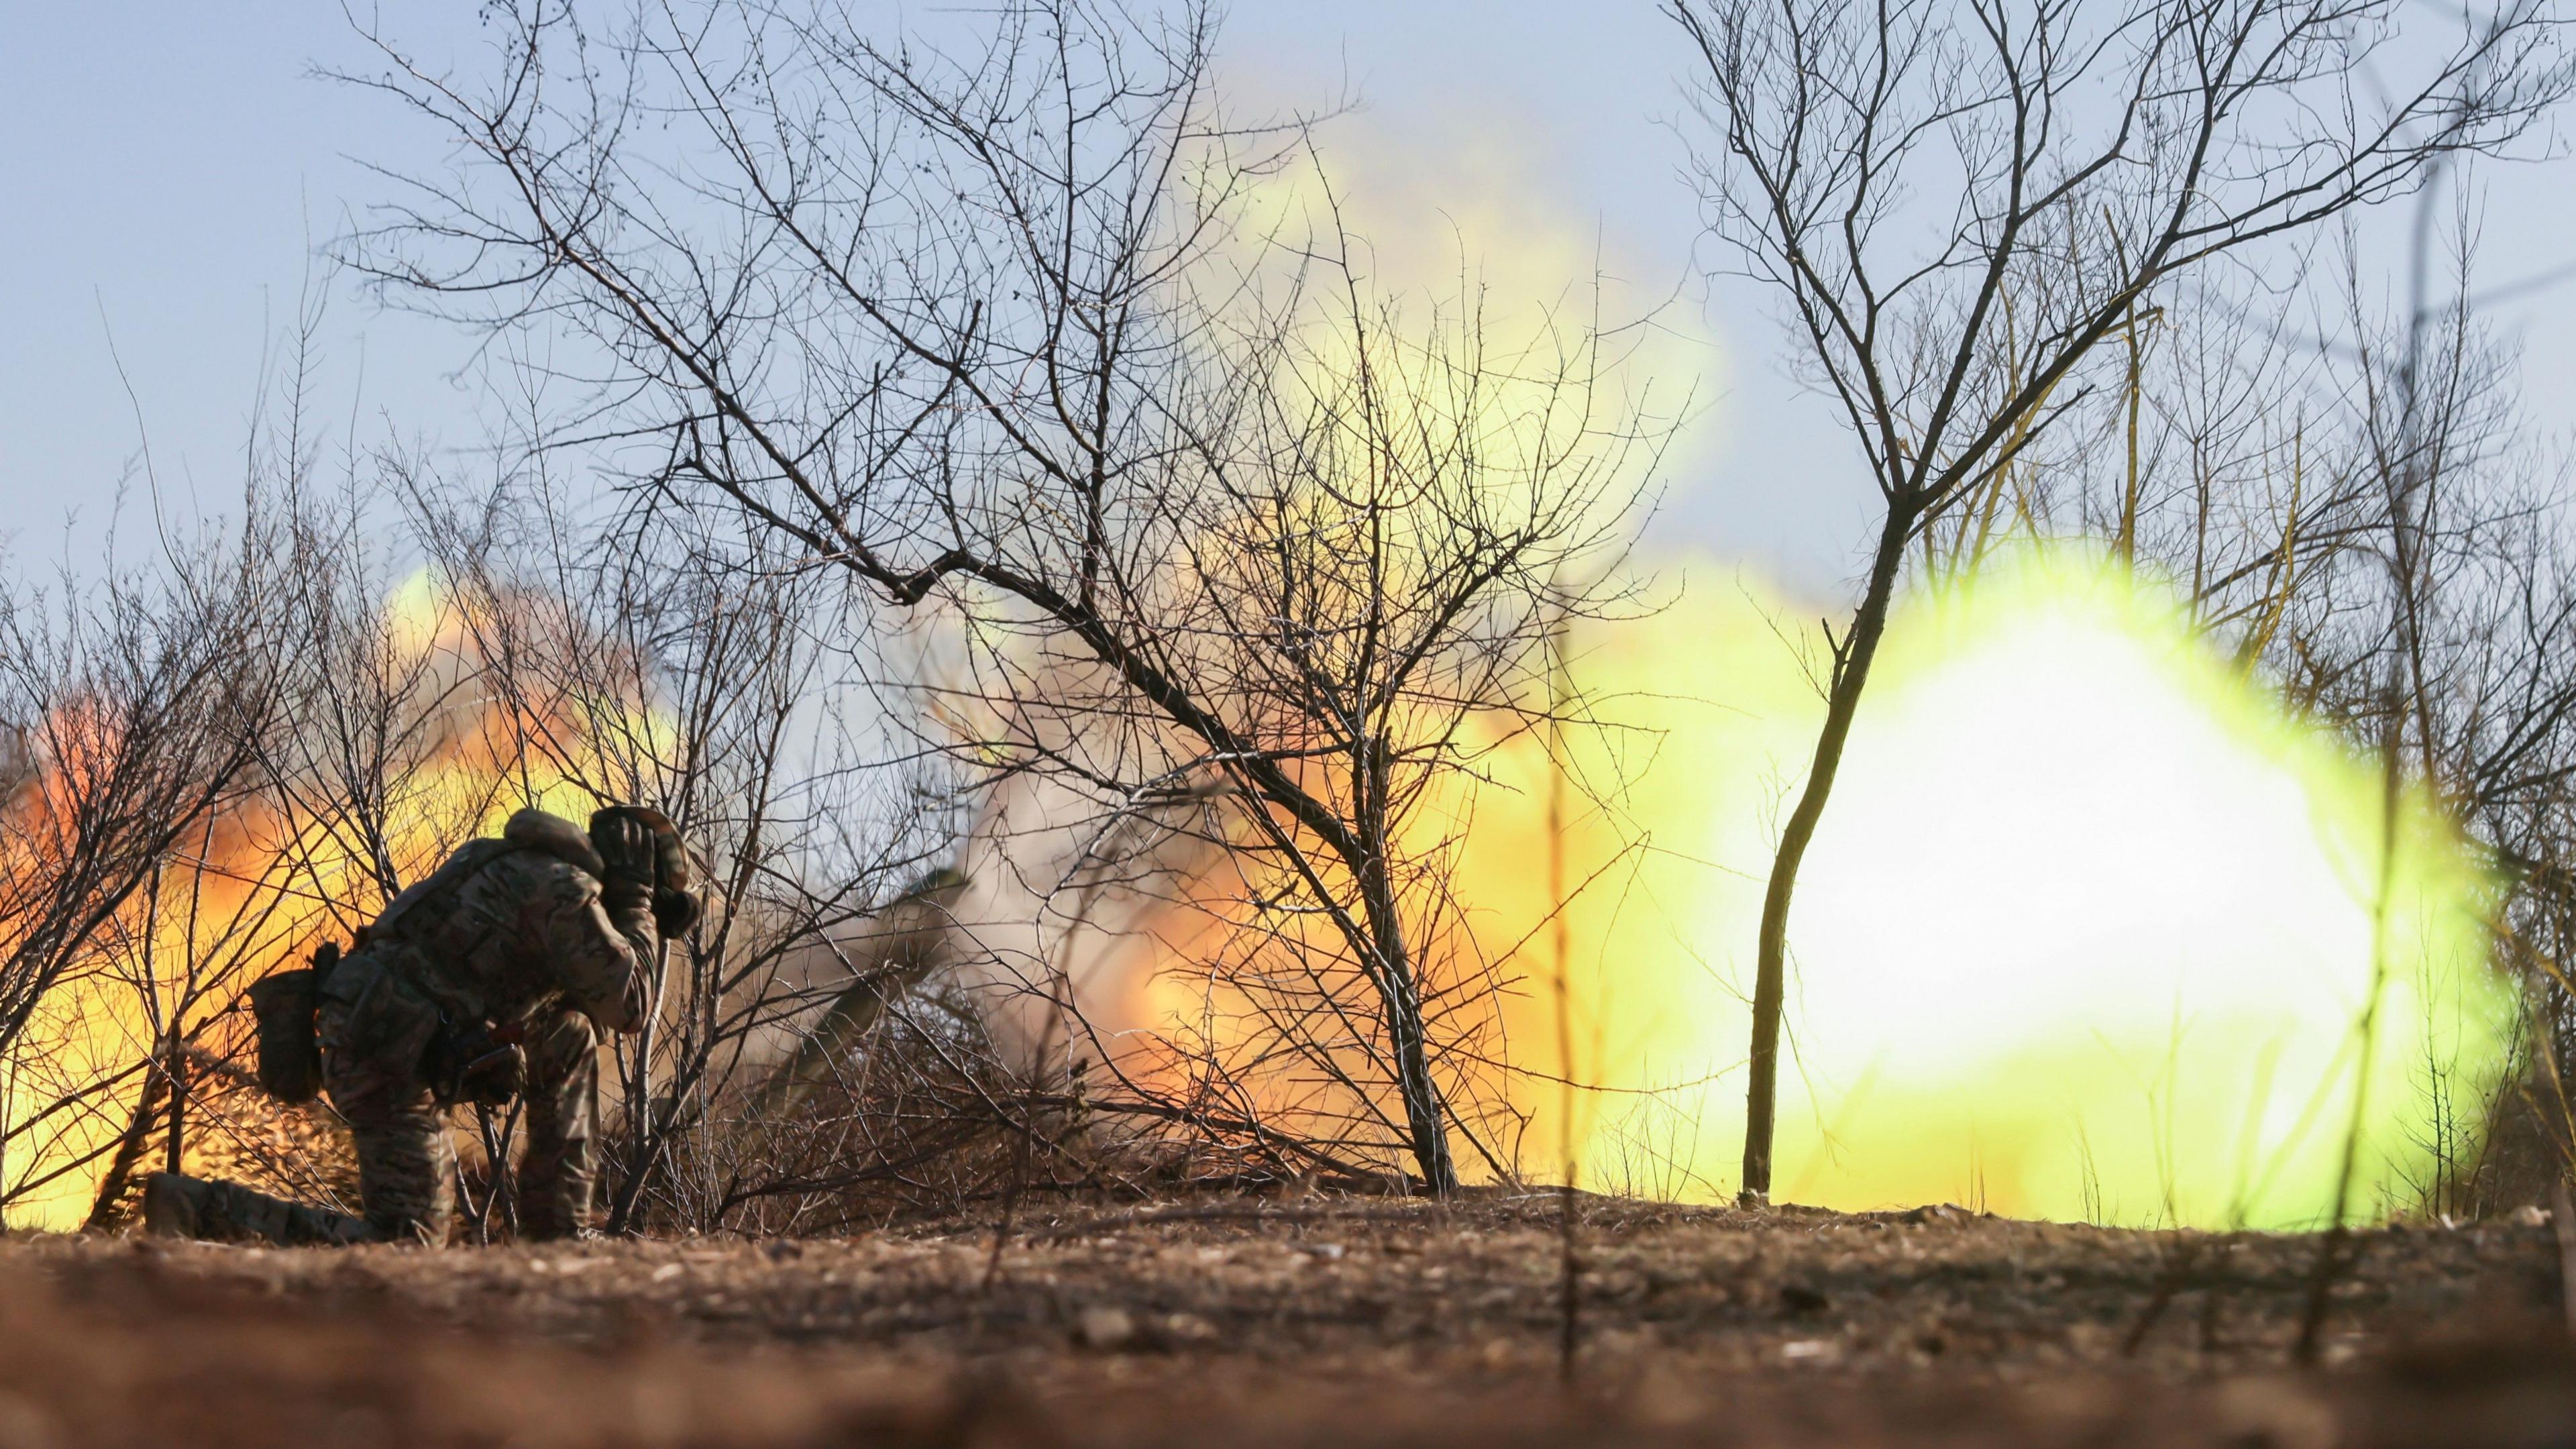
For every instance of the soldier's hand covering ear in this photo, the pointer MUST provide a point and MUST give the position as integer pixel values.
(628, 854)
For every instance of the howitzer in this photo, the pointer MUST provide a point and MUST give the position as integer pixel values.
(902, 946)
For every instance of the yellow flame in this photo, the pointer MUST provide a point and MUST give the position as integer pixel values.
(276, 880)
(2088, 930)
(2086, 933)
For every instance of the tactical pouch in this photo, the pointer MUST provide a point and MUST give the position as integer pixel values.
(470, 1062)
(284, 1004)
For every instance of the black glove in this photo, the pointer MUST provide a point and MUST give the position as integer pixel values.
(628, 853)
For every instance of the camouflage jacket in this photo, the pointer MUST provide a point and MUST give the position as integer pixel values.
(502, 931)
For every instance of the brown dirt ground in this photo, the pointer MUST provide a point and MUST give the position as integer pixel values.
(1317, 1320)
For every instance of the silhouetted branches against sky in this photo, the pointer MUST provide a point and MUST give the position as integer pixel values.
(1039, 334)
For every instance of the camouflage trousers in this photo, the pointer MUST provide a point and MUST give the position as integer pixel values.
(376, 1033)
(376, 1029)
(177, 1206)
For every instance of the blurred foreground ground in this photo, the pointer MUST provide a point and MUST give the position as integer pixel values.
(1342, 1322)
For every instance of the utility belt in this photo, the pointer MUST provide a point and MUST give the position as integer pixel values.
(467, 1060)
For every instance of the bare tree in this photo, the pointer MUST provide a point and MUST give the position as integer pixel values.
(671, 658)
(1962, 201)
(1000, 334)
(2342, 480)
(133, 700)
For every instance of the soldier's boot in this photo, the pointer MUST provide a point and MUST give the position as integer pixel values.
(179, 1206)
(555, 1201)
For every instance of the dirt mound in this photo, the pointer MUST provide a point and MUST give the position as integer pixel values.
(1351, 1324)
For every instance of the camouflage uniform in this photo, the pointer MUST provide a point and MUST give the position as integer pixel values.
(499, 934)
(503, 933)
(188, 1207)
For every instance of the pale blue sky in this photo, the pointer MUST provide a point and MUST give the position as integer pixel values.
(166, 169)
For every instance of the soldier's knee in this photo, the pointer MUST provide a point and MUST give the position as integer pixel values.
(403, 1172)
(418, 1230)
(405, 1204)
(562, 1052)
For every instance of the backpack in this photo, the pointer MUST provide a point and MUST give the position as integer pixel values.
(284, 1004)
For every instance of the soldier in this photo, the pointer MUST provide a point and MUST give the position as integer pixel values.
(485, 980)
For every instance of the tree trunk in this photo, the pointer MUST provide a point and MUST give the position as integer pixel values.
(1424, 1120)
(103, 1209)
(176, 1154)
(1842, 702)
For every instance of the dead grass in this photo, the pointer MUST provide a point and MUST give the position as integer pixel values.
(1286, 1321)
